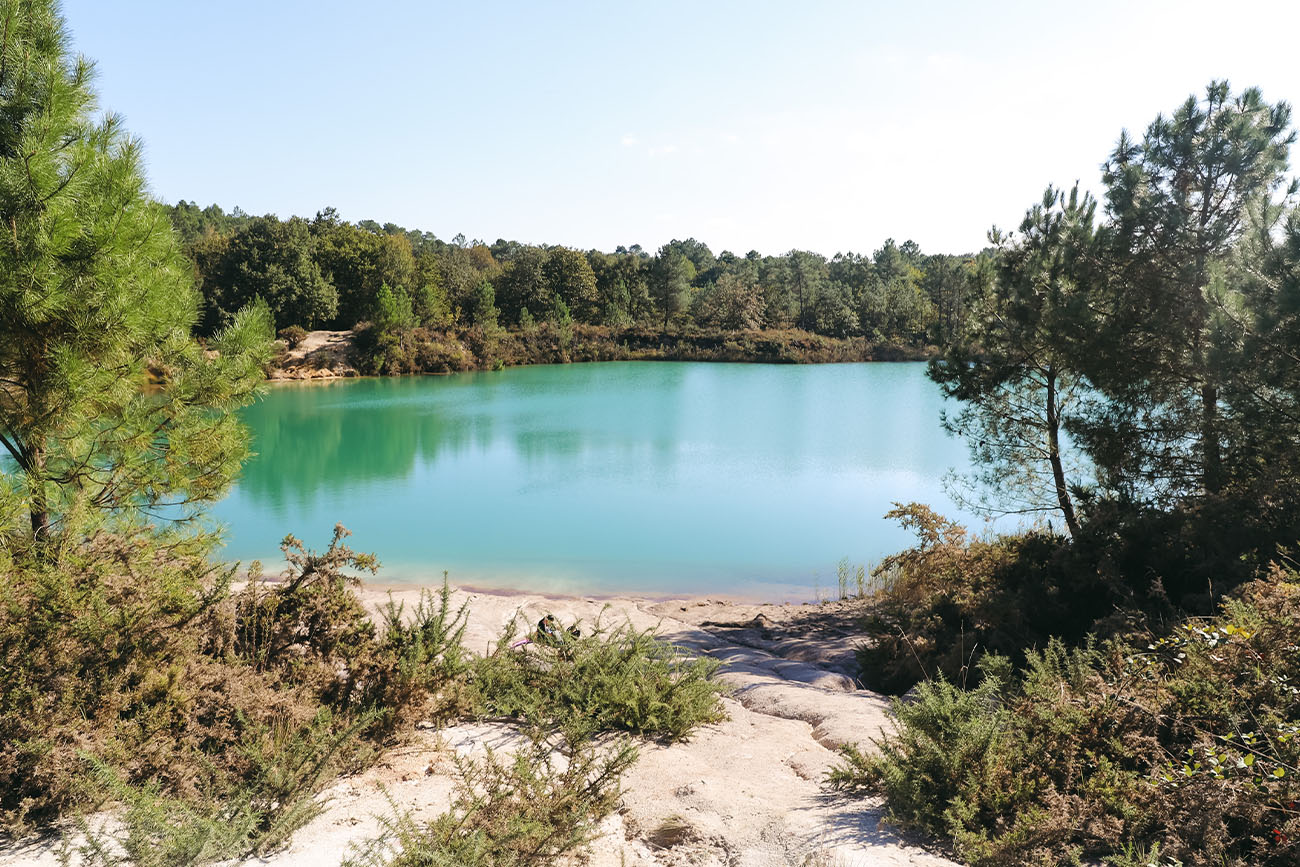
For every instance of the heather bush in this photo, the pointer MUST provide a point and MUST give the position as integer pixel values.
(1181, 746)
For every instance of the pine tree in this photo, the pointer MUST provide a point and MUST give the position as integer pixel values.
(108, 407)
(1013, 368)
(1178, 203)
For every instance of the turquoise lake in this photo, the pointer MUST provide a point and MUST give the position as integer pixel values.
(663, 478)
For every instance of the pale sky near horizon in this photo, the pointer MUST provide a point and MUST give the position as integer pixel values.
(825, 126)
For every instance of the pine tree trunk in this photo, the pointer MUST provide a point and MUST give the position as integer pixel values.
(39, 508)
(1213, 460)
(1054, 457)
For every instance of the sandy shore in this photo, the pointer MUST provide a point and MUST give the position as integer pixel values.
(746, 792)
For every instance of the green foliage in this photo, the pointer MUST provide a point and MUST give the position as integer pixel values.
(131, 653)
(96, 301)
(292, 336)
(616, 679)
(943, 604)
(949, 740)
(93, 654)
(277, 262)
(393, 310)
(542, 803)
(482, 307)
(423, 655)
(561, 322)
(252, 816)
(1185, 749)
(893, 298)
(1012, 368)
(359, 262)
(308, 629)
(670, 283)
(569, 278)
(734, 303)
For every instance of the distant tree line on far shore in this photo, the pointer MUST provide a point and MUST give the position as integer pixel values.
(329, 273)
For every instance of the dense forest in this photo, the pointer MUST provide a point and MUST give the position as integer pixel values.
(404, 289)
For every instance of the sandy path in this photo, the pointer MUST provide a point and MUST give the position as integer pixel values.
(745, 792)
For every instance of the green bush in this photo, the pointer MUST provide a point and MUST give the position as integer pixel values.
(1183, 745)
(129, 653)
(292, 336)
(952, 598)
(250, 815)
(617, 679)
(523, 810)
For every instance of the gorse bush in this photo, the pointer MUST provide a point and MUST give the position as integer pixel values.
(128, 671)
(952, 598)
(1183, 745)
(618, 679)
(253, 815)
(99, 654)
(309, 629)
(529, 808)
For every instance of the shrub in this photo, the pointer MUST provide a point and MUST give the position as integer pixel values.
(953, 598)
(1186, 748)
(130, 654)
(612, 679)
(252, 815)
(530, 808)
(308, 628)
(98, 655)
(292, 336)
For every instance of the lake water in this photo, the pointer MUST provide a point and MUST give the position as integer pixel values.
(665, 478)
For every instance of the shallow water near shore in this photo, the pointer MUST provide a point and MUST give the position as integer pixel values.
(743, 480)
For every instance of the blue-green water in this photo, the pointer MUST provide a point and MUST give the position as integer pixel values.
(738, 479)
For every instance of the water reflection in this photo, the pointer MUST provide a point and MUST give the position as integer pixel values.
(669, 477)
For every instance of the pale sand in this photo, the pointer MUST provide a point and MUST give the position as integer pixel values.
(748, 791)
(321, 355)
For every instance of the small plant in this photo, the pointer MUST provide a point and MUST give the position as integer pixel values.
(522, 810)
(852, 580)
(617, 679)
(293, 336)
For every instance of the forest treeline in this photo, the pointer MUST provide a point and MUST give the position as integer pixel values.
(403, 285)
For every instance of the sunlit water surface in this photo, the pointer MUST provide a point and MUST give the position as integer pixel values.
(662, 478)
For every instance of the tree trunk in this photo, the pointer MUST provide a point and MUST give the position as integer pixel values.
(1054, 457)
(1213, 468)
(39, 509)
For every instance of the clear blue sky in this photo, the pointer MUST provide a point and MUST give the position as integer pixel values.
(826, 126)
